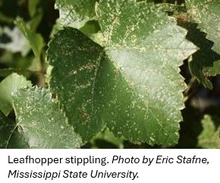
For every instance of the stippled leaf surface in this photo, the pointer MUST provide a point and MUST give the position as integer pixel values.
(131, 84)
(74, 79)
(9, 85)
(41, 122)
(206, 13)
(209, 137)
(75, 13)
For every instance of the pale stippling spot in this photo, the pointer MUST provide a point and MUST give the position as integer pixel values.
(152, 139)
(80, 87)
(74, 72)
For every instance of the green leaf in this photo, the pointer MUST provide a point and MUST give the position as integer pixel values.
(42, 123)
(146, 47)
(132, 84)
(209, 138)
(206, 13)
(75, 13)
(35, 40)
(10, 134)
(205, 62)
(6, 128)
(9, 85)
(74, 80)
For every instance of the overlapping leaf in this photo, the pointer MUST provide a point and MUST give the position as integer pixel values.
(75, 13)
(132, 84)
(40, 121)
(10, 134)
(206, 62)
(206, 14)
(9, 85)
(209, 138)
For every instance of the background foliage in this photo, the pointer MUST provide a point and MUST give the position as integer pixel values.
(144, 74)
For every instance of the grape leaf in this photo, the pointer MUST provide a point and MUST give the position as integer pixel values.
(10, 136)
(209, 138)
(74, 78)
(205, 62)
(132, 84)
(75, 13)
(10, 84)
(206, 13)
(41, 122)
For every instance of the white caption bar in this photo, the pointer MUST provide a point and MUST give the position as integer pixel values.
(90, 165)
